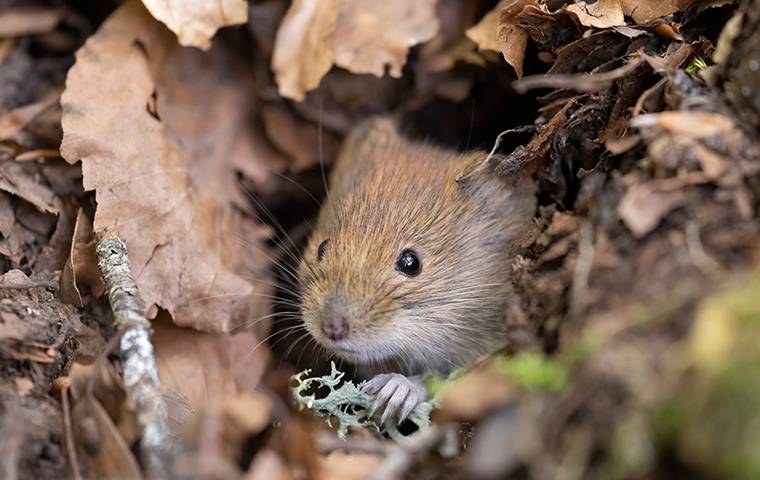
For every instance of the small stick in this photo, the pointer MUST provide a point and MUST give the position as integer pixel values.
(139, 365)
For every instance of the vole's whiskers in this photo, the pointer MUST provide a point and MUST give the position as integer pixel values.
(282, 266)
(252, 195)
(262, 342)
(320, 144)
(278, 316)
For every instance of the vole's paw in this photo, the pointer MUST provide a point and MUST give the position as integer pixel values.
(397, 395)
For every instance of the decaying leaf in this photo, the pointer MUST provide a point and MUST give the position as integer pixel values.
(196, 21)
(363, 36)
(164, 171)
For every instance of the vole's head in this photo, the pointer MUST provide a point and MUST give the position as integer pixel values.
(406, 267)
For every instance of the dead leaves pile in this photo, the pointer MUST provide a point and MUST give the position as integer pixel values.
(145, 135)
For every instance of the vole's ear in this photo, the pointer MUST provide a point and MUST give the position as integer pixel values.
(363, 146)
(514, 197)
(369, 135)
(471, 165)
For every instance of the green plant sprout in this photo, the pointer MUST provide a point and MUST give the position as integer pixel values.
(346, 402)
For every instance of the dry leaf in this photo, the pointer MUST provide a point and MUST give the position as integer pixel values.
(99, 442)
(82, 264)
(197, 369)
(28, 20)
(645, 11)
(303, 47)
(164, 172)
(298, 139)
(372, 35)
(599, 14)
(688, 124)
(23, 180)
(267, 465)
(347, 466)
(510, 40)
(472, 396)
(643, 207)
(14, 121)
(196, 21)
(363, 36)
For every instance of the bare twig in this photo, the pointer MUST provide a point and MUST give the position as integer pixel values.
(583, 82)
(30, 284)
(139, 365)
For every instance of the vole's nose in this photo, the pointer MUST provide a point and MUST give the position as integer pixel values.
(334, 322)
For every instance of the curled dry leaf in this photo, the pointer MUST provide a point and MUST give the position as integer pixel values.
(161, 153)
(510, 40)
(196, 21)
(82, 264)
(303, 47)
(362, 36)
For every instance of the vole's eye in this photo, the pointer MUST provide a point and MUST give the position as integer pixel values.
(321, 250)
(408, 263)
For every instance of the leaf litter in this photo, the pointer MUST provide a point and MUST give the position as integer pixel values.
(634, 285)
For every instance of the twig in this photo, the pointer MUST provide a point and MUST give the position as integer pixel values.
(583, 82)
(30, 284)
(136, 349)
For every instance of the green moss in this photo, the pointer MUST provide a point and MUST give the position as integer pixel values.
(696, 64)
(718, 427)
(534, 371)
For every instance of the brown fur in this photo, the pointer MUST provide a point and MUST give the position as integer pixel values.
(389, 194)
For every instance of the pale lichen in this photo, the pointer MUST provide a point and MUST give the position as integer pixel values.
(345, 402)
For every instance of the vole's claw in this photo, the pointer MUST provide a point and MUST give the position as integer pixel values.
(397, 395)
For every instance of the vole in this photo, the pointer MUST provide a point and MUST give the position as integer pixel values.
(407, 270)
